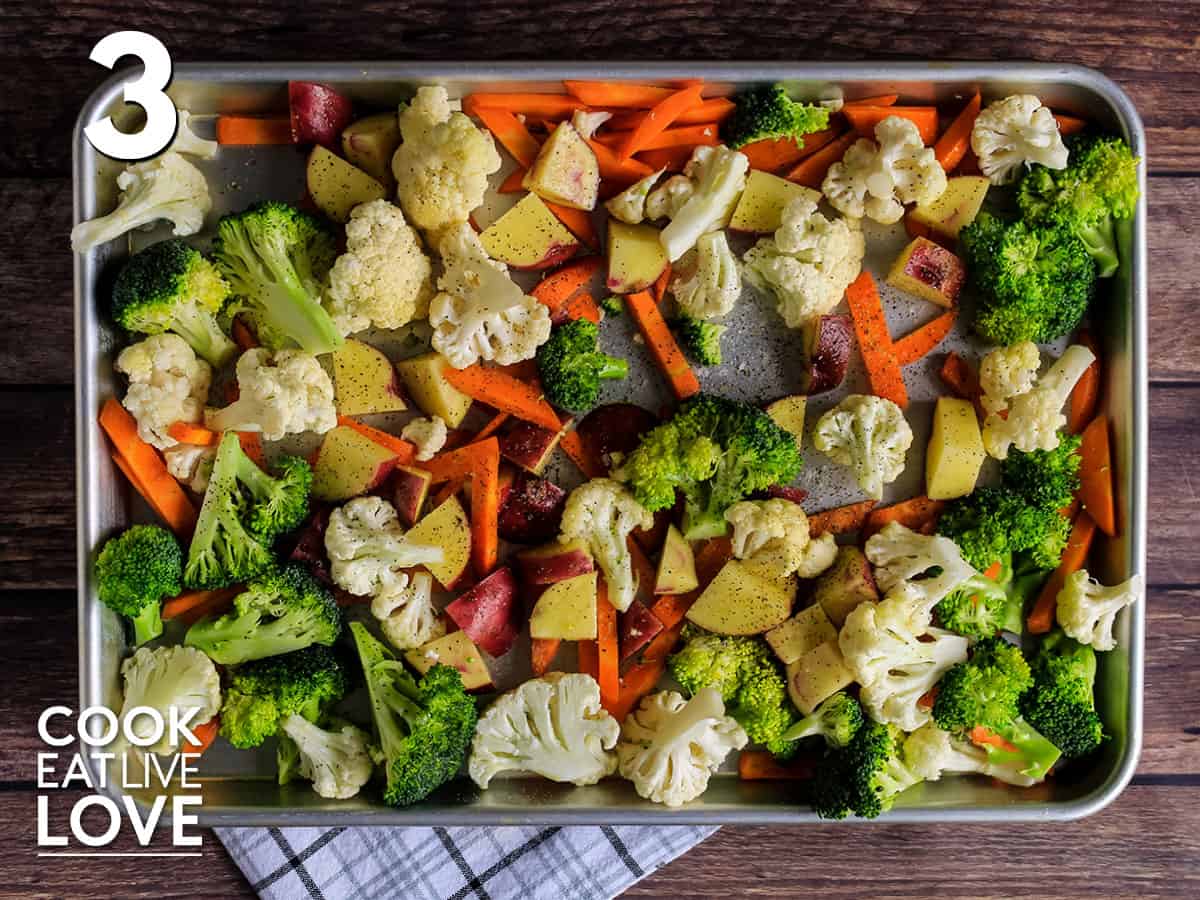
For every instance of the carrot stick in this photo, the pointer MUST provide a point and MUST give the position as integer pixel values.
(616, 93)
(511, 133)
(879, 100)
(572, 444)
(609, 655)
(811, 171)
(525, 370)
(537, 106)
(493, 425)
(448, 490)
(514, 182)
(712, 111)
(614, 167)
(915, 513)
(1041, 618)
(589, 658)
(863, 119)
(690, 136)
(204, 734)
(542, 652)
(985, 737)
(670, 359)
(662, 645)
(1068, 125)
(773, 154)
(485, 504)
(578, 222)
(187, 433)
(581, 306)
(242, 335)
(920, 342)
(252, 446)
(957, 375)
(955, 141)
(130, 475)
(451, 465)
(191, 600)
(151, 478)
(671, 608)
(562, 284)
(760, 765)
(503, 393)
(673, 159)
(874, 341)
(659, 289)
(405, 452)
(1085, 396)
(250, 131)
(841, 520)
(1096, 476)
(638, 680)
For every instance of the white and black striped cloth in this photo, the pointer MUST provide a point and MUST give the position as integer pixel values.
(581, 863)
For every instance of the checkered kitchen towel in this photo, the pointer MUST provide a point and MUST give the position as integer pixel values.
(580, 863)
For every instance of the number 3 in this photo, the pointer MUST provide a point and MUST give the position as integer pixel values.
(146, 92)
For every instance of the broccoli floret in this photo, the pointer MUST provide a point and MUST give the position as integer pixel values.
(837, 720)
(864, 777)
(170, 286)
(613, 305)
(1061, 704)
(1047, 479)
(768, 112)
(135, 571)
(279, 612)
(277, 504)
(263, 692)
(425, 726)
(977, 608)
(995, 522)
(701, 340)
(1099, 185)
(571, 366)
(275, 258)
(717, 452)
(1034, 282)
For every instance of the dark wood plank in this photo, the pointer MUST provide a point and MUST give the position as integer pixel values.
(1172, 237)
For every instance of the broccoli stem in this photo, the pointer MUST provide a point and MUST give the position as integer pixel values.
(1031, 753)
(148, 624)
(613, 369)
(203, 334)
(1101, 242)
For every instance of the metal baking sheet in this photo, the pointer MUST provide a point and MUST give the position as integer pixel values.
(239, 787)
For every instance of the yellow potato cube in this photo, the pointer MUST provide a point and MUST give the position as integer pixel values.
(955, 453)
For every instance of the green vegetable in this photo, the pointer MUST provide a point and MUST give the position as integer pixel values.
(1034, 282)
(280, 612)
(701, 340)
(977, 608)
(170, 286)
(767, 112)
(1046, 479)
(571, 366)
(837, 720)
(716, 451)
(613, 305)
(425, 726)
(275, 258)
(1061, 704)
(135, 571)
(262, 692)
(864, 777)
(277, 504)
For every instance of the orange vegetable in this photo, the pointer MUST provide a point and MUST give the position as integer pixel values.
(494, 424)
(689, 136)
(772, 154)
(1068, 125)
(918, 343)
(915, 513)
(659, 288)
(252, 446)
(582, 306)
(874, 341)
(667, 355)
(251, 131)
(760, 765)
(149, 473)
(958, 375)
(985, 737)
(127, 470)
(578, 222)
(503, 393)
(811, 170)
(405, 452)
(1096, 476)
(562, 284)
(451, 465)
(190, 601)
(513, 183)
(863, 119)
(713, 111)
(485, 504)
(955, 141)
(673, 159)
(638, 680)
(187, 433)
(1085, 396)
(511, 133)
(663, 644)
(614, 167)
(573, 445)
(537, 106)
(589, 658)
(204, 734)
(525, 370)
(1041, 618)
(879, 100)
(841, 520)
(609, 654)
(616, 93)
(447, 490)
(927, 699)
(671, 608)
(542, 652)
(242, 335)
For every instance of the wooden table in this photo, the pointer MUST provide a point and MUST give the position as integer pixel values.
(1147, 844)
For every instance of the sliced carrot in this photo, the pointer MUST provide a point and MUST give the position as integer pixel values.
(189, 600)
(494, 424)
(636, 682)
(451, 465)
(915, 513)
(1068, 125)
(608, 653)
(878, 100)
(874, 341)
(503, 393)
(131, 476)
(151, 478)
(251, 442)
(612, 166)
(525, 370)
(663, 644)
(405, 452)
(841, 520)
(712, 111)
(242, 335)
(955, 141)
(514, 183)
(863, 119)
(957, 374)
(562, 284)
(582, 306)
(251, 131)
(670, 359)
(671, 608)
(204, 734)
(1085, 396)
(485, 504)
(811, 171)
(187, 433)
(578, 222)
(539, 106)
(589, 658)
(616, 93)
(1096, 476)
(659, 288)
(573, 445)
(542, 652)
(447, 490)
(772, 155)
(690, 136)
(985, 737)
(511, 133)
(1041, 618)
(673, 159)
(920, 342)
(760, 765)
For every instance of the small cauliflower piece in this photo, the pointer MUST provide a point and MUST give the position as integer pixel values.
(168, 383)
(717, 176)
(877, 637)
(877, 178)
(629, 206)
(602, 513)
(776, 531)
(1034, 418)
(163, 678)
(707, 282)
(191, 464)
(1087, 610)
(428, 436)
(903, 556)
(1008, 372)
(894, 696)
(403, 605)
(668, 198)
(480, 313)
(367, 546)
(443, 162)
(338, 763)
(869, 434)
(166, 187)
(670, 746)
(383, 278)
(553, 726)
(187, 141)
(280, 393)
(1013, 132)
(587, 121)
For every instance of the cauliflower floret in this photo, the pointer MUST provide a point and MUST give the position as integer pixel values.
(893, 697)
(776, 532)
(552, 726)
(167, 383)
(443, 163)
(708, 282)
(187, 141)
(166, 187)
(278, 394)
(1016, 130)
(586, 122)
(903, 556)
(1087, 610)
(1035, 417)
(877, 637)
(877, 179)
(929, 752)
(404, 608)
(716, 177)
(163, 678)
(191, 464)
(670, 746)
(383, 278)
(629, 206)
(817, 556)
(427, 435)
(480, 313)
(338, 763)
(367, 545)
(869, 434)
(1008, 372)
(809, 262)
(602, 513)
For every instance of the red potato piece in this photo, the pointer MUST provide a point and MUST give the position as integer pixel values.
(828, 341)
(310, 545)
(319, 114)
(554, 562)
(615, 428)
(487, 613)
(409, 488)
(637, 628)
(786, 492)
(530, 509)
(529, 445)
